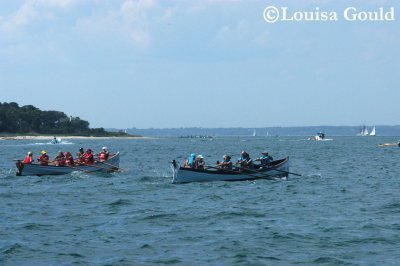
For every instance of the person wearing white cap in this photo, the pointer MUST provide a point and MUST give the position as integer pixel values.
(199, 164)
(104, 154)
(226, 164)
(29, 158)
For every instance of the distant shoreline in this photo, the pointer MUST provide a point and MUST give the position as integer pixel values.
(64, 137)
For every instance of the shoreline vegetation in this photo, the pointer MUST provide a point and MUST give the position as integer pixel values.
(40, 137)
(29, 122)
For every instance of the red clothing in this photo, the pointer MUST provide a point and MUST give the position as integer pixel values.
(103, 156)
(43, 159)
(28, 160)
(88, 157)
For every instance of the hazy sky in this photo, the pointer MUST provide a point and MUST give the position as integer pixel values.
(209, 63)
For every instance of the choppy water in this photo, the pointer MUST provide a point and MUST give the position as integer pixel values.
(345, 209)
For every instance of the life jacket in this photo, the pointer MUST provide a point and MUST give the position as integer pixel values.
(103, 156)
(88, 158)
(28, 160)
(43, 159)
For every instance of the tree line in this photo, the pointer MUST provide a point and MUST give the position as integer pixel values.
(31, 120)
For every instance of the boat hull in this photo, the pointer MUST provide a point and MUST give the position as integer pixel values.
(277, 170)
(111, 165)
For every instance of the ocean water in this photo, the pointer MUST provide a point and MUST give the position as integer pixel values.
(343, 210)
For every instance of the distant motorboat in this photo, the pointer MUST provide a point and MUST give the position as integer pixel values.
(55, 140)
(319, 137)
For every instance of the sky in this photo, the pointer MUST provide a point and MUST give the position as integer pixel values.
(203, 63)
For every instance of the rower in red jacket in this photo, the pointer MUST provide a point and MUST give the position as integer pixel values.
(29, 158)
(43, 158)
(88, 157)
(104, 154)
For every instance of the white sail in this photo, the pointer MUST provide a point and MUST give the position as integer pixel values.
(363, 131)
(373, 132)
(254, 133)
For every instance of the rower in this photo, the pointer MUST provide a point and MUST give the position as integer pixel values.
(43, 158)
(80, 156)
(69, 160)
(59, 160)
(28, 159)
(226, 164)
(245, 161)
(104, 154)
(199, 163)
(265, 159)
(88, 157)
(189, 162)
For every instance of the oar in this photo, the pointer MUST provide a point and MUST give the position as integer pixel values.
(92, 165)
(231, 171)
(119, 168)
(70, 166)
(287, 172)
(280, 170)
(254, 171)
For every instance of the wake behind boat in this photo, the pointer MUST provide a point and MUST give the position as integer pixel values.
(111, 165)
(276, 170)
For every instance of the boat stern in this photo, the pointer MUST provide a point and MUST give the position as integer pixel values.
(20, 167)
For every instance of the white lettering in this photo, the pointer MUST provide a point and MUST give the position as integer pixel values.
(273, 14)
(316, 15)
(351, 14)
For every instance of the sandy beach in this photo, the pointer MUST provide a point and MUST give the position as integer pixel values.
(62, 137)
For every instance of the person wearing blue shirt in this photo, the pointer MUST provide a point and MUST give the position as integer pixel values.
(265, 159)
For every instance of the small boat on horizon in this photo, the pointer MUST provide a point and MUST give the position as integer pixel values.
(319, 137)
(55, 140)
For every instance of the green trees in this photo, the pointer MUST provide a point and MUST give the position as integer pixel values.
(29, 119)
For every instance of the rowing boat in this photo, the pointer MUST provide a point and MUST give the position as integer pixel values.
(111, 165)
(276, 170)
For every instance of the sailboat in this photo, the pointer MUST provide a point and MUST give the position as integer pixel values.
(254, 133)
(364, 131)
(373, 132)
